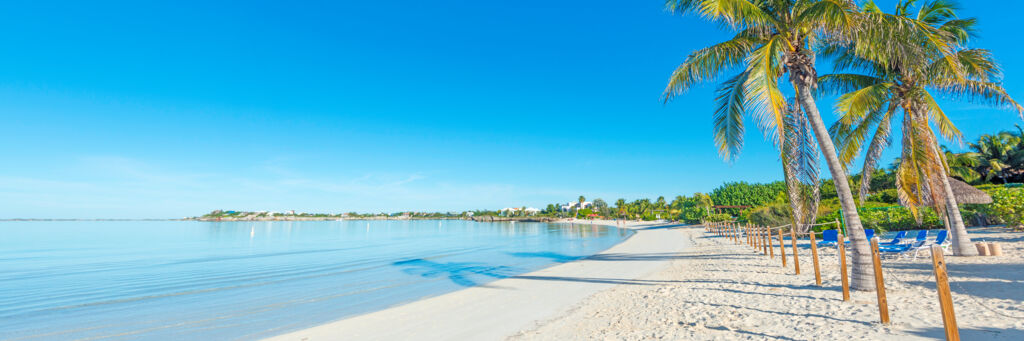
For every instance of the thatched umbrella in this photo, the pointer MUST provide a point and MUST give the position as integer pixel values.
(967, 194)
(963, 193)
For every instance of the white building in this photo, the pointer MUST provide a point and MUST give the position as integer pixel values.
(576, 206)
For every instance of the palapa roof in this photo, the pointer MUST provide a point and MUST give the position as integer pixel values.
(964, 194)
(967, 194)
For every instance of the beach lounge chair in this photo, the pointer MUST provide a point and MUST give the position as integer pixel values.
(901, 249)
(868, 233)
(895, 240)
(829, 238)
(940, 240)
(922, 235)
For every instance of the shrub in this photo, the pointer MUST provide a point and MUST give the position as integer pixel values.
(1008, 206)
(718, 217)
(771, 215)
(885, 217)
(888, 196)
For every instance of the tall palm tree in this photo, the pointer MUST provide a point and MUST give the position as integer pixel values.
(931, 59)
(774, 38)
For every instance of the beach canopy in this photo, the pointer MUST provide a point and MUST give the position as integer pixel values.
(965, 194)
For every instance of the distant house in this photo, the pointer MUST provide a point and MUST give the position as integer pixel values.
(576, 206)
(532, 210)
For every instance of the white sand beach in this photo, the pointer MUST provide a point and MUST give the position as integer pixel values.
(680, 283)
(504, 307)
(718, 290)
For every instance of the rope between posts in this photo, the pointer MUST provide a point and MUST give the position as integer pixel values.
(976, 301)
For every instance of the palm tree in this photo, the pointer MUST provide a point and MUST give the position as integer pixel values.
(999, 156)
(774, 38)
(962, 165)
(926, 60)
(621, 207)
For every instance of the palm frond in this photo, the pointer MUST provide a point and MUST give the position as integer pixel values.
(841, 83)
(735, 13)
(728, 117)
(769, 104)
(705, 64)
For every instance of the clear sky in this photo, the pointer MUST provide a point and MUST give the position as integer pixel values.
(137, 109)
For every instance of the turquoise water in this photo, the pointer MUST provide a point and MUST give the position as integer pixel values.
(243, 280)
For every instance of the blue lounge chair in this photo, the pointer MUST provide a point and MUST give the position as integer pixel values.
(868, 233)
(895, 240)
(901, 249)
(940, 240)
(829, 238)
(921, 236)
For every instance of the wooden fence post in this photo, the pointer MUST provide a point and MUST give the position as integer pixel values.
(814, 254)
(796, 258)
(782, 248)
(757, 237)
(771, 246)
(764, 236)
(945, 297)
(883, 304)
(842, 266)
(746, 233)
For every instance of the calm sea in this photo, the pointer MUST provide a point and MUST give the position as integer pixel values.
(245, 280)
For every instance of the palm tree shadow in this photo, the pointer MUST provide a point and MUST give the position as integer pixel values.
(460, 273)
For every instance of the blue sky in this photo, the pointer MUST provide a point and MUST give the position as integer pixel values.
(131, 109)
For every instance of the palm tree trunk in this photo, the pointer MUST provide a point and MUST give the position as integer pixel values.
(962, 245)
(862, 276)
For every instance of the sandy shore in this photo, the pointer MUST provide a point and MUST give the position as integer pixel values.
(504, 307)
(717, 290)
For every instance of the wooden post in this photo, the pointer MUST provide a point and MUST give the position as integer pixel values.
(796, 255)
(945, 297)
(842, 267)
(771, 246)
(764, 235)
(746, 233)
(883, 305)
(782, 248)
(814, 255)
(757, 237)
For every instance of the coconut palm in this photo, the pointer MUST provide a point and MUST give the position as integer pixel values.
(930, 59)
(774, 38)
(1000, 156)
(962, 165)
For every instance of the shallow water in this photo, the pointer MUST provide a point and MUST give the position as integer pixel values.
(246, 280)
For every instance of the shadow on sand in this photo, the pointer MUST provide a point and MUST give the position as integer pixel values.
(458, 272)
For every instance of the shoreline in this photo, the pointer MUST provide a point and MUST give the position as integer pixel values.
(718, 290)
(502, 308)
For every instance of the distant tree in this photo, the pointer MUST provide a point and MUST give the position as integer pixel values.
(600, 206)
(582, 199)
(620, 207)
(550, 209)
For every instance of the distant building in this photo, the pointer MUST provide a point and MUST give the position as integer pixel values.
(576, 206)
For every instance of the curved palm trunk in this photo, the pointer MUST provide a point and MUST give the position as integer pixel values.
(862, 276)
(958, 231)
